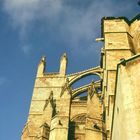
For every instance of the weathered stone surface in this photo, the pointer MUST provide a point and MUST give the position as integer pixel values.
(127, 105)
(109, 111)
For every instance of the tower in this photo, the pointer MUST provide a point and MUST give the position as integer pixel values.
(117, 46)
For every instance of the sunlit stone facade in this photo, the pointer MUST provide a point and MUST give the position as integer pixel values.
(110, 110)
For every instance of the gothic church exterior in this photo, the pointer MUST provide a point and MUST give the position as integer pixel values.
(111, 108)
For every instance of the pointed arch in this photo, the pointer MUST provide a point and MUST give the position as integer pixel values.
(84, 88)
(77, 76)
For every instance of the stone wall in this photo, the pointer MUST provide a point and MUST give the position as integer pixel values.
(110, 110)
(126, 121)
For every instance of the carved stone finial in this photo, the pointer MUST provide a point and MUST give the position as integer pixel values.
(64, 56)
(63, 64)
(91, 90)
(41, 67)
(43, 59)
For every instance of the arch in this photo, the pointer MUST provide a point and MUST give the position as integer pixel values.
(79, 118)
(85, 80)
(93, 71)
(84, 88)
(79, 95)
(75, 124)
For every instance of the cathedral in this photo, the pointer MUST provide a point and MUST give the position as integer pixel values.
(111, 108)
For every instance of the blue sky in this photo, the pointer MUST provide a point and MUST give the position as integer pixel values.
(32, 28)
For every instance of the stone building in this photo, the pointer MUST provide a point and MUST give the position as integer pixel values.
(110, 110)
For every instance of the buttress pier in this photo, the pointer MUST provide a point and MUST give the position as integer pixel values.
(59, 112)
